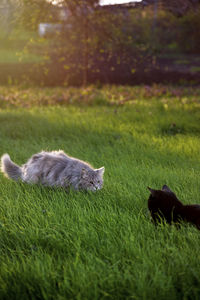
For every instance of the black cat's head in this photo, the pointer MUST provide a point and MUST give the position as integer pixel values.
(165, 192)
(164, 203)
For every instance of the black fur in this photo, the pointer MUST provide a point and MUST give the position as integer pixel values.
(164, 205)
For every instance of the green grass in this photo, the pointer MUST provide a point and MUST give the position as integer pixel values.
(11, 56)
(100, 245)
(14, 47)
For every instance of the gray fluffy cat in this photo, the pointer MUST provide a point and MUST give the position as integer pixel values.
(55, 169)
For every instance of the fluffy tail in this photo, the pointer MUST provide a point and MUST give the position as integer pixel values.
(9, 168)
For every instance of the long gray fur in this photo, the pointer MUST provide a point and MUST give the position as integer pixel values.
(55, 168)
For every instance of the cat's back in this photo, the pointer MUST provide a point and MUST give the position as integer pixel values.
(50, 158)
(192, 213)
(47, 157)
(49, 168)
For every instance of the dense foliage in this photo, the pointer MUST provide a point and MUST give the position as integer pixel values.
(97, 43)
(90, 43)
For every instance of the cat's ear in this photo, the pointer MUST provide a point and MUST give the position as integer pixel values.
(153, 192)
(165, 188)
(100, 171)
(84, 173)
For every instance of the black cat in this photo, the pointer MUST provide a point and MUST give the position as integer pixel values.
(164, 205)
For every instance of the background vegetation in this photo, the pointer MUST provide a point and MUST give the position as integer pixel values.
(101, 44)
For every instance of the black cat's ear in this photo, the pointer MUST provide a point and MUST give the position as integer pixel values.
(165, 188)
(153, 192)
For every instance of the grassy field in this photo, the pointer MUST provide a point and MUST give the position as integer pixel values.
(100, 245)
(14, 47)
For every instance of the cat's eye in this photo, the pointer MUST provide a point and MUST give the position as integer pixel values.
(91, 182)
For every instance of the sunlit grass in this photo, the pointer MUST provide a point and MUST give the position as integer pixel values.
(10, 57)
(56, 245)
(13, 47)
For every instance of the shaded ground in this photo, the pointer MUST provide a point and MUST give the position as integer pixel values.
(177, 69)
